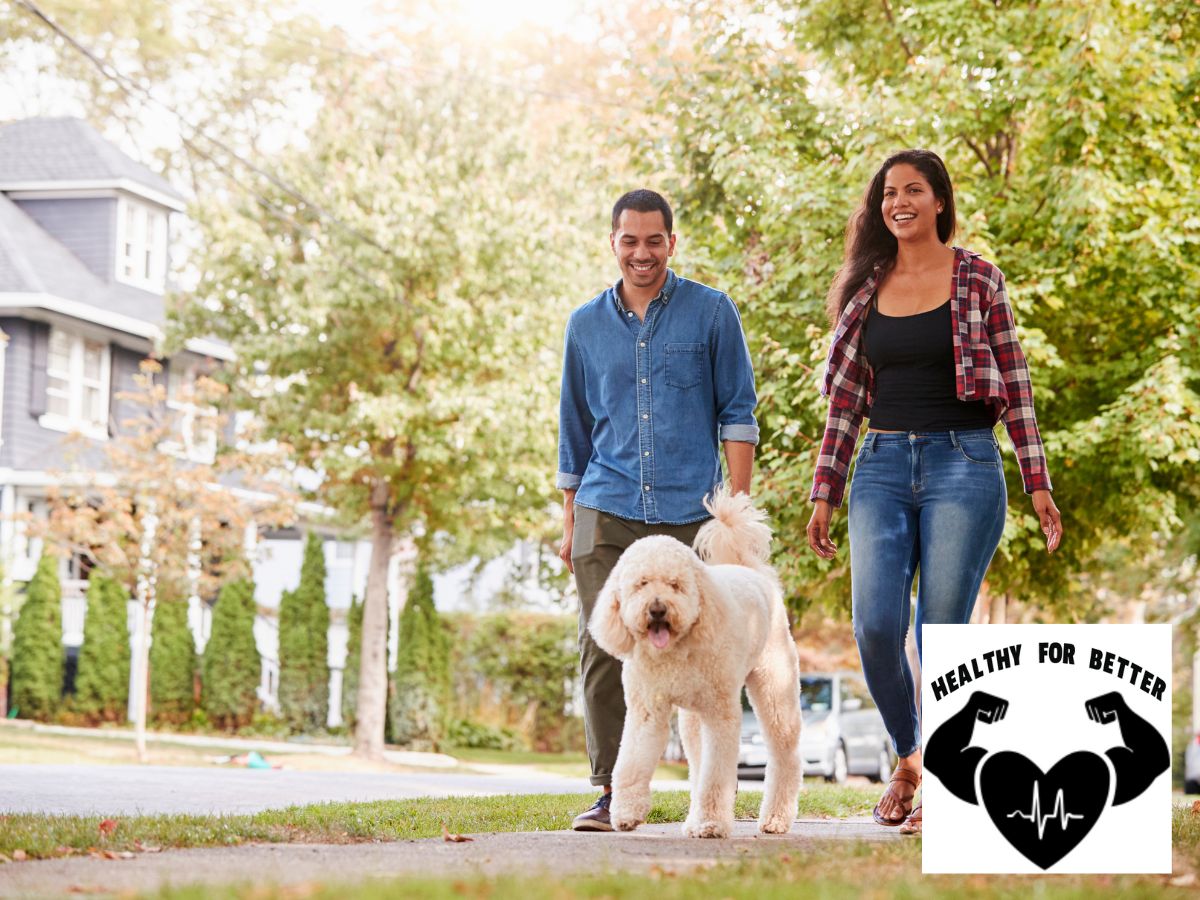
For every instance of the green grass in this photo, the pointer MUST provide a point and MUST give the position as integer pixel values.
(826, 871)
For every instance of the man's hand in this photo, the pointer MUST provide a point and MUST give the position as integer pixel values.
(988, 707)
(1104, 709)
(818, 530)
(564, 549)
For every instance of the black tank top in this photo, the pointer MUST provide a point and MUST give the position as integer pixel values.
(913, 360)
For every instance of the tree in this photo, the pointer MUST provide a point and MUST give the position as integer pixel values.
(1068, 128)
(172, 657)
(168, 513)
(102, 679)
(383, 325)
(422, 686)
(232, 668)
(353, 661)
(37, 663)
(304, 644)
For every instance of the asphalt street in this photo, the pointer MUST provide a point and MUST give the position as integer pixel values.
(129, 790)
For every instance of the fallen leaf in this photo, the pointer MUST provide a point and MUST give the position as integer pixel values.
(1196, 807)
(449, 837)
(108, 826)
(19, 856)
(146, 848)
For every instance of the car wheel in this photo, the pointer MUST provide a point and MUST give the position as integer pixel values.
(1191, 787)
(884, 771)
(841, 766)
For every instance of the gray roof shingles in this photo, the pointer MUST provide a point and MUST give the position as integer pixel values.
(67, 149)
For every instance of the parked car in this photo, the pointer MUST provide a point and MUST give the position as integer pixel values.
(843, 734)
(1191, 766)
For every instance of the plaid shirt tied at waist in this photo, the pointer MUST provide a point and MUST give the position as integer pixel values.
(988, 365)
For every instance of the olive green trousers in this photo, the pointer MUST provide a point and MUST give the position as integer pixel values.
(598, 542)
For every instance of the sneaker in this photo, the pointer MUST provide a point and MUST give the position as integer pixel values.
(596, 818)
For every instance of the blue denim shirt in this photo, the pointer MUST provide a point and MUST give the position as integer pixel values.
(644, 405)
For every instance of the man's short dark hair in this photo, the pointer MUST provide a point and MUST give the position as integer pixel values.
(643, 200)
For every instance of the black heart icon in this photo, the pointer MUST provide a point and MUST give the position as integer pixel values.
(1044, 814)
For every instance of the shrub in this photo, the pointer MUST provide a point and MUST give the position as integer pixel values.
(102, 679)
(421, 697)
(232, 666)
(37, 663)
(172, 660)
(354, 617)
(304, 645)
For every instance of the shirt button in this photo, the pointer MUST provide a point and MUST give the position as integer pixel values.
(646, 453)
(630, 314)
(641, 343)
(645, 487)
(645, 415)
(643, 381)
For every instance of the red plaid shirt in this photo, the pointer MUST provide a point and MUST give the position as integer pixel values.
(988, 365)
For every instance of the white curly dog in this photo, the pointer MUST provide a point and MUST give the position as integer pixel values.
(690, 634)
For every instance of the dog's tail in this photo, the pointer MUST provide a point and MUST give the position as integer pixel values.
(737, 534)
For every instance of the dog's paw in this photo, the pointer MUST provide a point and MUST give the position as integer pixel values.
(622, 823)
(776, 824)
(708, 829)
(626, 816)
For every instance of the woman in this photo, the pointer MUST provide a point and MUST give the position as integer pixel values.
(924, 346)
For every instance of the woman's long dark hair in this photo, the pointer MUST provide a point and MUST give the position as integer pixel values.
(869, 243)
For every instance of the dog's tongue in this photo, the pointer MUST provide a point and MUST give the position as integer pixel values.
(659, 635)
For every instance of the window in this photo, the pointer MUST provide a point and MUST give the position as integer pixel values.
(141, 244)
(197, 420)
(77, 374)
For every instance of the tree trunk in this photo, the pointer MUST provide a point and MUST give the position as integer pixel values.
(999, 609)
(372, 673)
(145, 590)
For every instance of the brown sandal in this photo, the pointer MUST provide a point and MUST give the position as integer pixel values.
(912, 825)
(908, 776)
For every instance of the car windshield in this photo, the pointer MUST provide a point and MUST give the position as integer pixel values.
(816, 694)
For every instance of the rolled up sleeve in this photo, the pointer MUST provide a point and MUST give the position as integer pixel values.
(574, 419)
(733, 377)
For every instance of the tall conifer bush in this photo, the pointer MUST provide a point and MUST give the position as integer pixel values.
(173, 660)
(422, 686)
(37, 664)
(304, 645)
(354, 617)
(102, 680)
(232, 666)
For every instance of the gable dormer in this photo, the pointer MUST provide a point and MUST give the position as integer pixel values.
(109, 210)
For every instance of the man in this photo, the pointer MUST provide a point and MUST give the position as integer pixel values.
(655, 373)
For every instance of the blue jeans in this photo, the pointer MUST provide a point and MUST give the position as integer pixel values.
(933, 502)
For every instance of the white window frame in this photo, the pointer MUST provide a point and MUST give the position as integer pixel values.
(189, 412)
(143, 239)
(74, 419)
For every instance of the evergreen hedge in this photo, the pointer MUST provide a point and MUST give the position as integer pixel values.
(232, 666)
(172, 659)
(37, 650)
(304, 645)
(354, 617)
(422, 687)
(102, 678)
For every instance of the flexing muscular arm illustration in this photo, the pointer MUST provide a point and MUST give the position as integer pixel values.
(1144, 754)
(1141, 758)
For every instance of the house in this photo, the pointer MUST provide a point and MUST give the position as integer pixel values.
(85, 241)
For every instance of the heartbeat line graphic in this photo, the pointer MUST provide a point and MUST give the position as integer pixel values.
(1036, 814)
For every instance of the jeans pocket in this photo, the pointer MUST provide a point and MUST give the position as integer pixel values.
(980, 452)
(583, 539)
(683, 364)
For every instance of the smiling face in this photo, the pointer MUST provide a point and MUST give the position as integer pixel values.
(910, 208)
(642, 247)
(658, 590)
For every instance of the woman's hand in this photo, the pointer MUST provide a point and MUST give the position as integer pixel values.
(1048, 515)
(818, 530)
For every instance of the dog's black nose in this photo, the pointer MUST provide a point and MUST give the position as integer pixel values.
(658, 610)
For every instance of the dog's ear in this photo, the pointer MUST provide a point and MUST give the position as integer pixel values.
(605, 623)
(706, 592)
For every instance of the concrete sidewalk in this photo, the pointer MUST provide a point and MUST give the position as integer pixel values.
(555, 853)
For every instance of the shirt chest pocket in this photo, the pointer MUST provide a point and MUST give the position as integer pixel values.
(684, 363)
